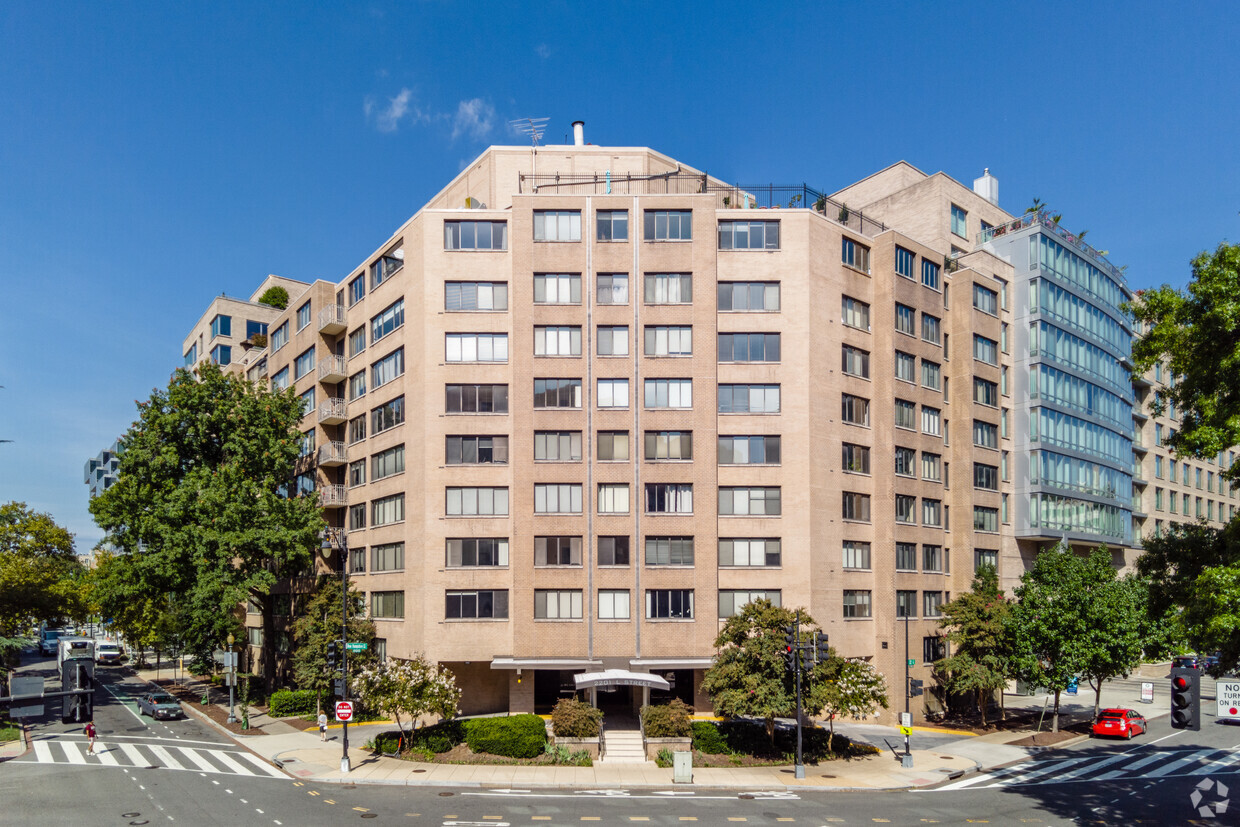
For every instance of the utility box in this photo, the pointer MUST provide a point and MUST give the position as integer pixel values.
(682, 767)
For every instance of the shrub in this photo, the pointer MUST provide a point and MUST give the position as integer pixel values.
(664, 758)
(441, 737)
(707, 738)
(670, 720)
(274, 296)
(572, 718)
(387, 742)
(288, 703)
(518, 736)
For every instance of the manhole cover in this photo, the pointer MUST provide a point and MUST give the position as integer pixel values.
(370, 815)
(445, 795)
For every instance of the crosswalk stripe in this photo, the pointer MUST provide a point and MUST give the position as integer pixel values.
(105, 755)
(1127, 768)
(72, 752)
(134, 755)
(1040, 771)
(166, 757)
(1217, 763)
(1097, 765)
(201, 762)
(261, 764)
(223, 758)
(43, 752)
(1175, 765)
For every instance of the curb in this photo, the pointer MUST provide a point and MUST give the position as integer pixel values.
(601, 785)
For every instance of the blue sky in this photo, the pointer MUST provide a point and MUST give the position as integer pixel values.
(155, 155)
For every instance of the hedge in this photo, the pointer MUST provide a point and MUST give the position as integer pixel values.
(670, 720)
(441, 737)
(572, 718)
(289, 703)
(749, 738)
(517, 736)
(707, 738)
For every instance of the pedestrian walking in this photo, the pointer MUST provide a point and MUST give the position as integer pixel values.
(322, 726)
(90, 737)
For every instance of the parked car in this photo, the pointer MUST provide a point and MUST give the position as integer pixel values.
(108, 652)
(160, 705)
(1120, 723)
(1187, 662)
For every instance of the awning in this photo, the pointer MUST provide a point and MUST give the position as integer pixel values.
(544, 663)
(620, 677)
(664, 664)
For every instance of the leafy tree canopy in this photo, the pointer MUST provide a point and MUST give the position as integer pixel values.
(410, 688)
(41, 578)
(976, 625)
(318, 624)
(274, 296)
(846, 688)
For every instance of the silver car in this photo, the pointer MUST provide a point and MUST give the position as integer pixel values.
(160, 706)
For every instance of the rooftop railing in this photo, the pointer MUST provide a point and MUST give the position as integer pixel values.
(1043, 218)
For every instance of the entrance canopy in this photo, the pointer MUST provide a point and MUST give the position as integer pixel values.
(620, 677)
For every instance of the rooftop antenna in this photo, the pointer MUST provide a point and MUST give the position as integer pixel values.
(534, 128)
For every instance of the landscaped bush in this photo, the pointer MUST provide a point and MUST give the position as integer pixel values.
(670, 720)
(288, 703)
(572, 718)
(749, 738)
(664, 758)
(387, 742)
(517, 736)
(441, 737)
(708, 739)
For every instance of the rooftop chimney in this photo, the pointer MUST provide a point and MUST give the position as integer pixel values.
(987, 186)
(579, 133)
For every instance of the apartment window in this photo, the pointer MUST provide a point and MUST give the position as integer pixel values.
(480, 604)
(748, 295)
(279, 338)
(1158, 467)
(1003, 381)
(613, 446)
(856, 603)
(480, 347)
(732, 601)
(386, 266)
(985, 557)
(1004, 338)
(906, 604)
(856, 554)
(856, 507)
(477, 502)
(357, 290)
(357, 560)
(613, 498)
(669, 551)
(476, 450)
(985, 392)
(856, 362)
(985, 300)
(931, 329)
(557, 225)
(387, 557)
(357, 473)
(854, 409)
(1172, 502)
(279, 381)
(357, 385)
(387, 605)
(669, 225)
(931, 423)
(933, 648)
(357, 429)
(387, 510)
(303, 364)
(985, 477)
(669, 288)
(959, 224)
(930, 274)
(612, 288)
(669, 445)
(931, 375)
(855, 255)
(388, 415)
(613, 341)
(558, 604)
(905, 414)
(475, 235)
(557, 551)
(669, 393)
(557, 393)
(612, 225)
(307, 444)
(669, 498)
(855, 313)
(357, 342)
(477, 551)
(906, 509)
(303, 316)
(613, 604)
(985, 350)
(473, 295)
(557, 498)
(757, 552)
(557, 288)
(557, 446)
(854, 458)
(985, 519)
(612, 393)
(753, 501)
(748, 235)
(931, 512)
(557, 341)
(669, 604)
(906, 462)
(931, 467)
(387, 369)
(985, 435)
(751, 450)
(474, 399)
(613, 551)
(221, 326)
(1158, 499)
(906, 556)
(669, 341)
(906, 319)
(221, 355)
(749, 347)
(932, 603)
(904, 262)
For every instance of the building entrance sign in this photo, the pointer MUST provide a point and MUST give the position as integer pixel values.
(620, 677)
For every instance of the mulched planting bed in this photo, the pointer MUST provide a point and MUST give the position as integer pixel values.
(192, 696)
(1046, 739)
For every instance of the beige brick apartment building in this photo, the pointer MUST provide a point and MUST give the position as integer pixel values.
(572, 421)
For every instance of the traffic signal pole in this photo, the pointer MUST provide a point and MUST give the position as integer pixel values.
(344, 641)
(800, 766)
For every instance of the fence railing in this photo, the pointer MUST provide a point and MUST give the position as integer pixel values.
(1044, 219)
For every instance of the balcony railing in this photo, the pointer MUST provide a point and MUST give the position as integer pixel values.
(332, 368)
(1044, 219)
(333, 411)
(333, 496)
(333, 453)
(331, 319)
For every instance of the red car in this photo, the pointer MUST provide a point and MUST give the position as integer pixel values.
(1122, 723)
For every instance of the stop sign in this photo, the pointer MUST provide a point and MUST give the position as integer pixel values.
(344, 710)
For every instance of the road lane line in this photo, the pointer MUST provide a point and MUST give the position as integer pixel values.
(122, 703)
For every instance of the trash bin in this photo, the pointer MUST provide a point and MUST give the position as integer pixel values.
(682, 767)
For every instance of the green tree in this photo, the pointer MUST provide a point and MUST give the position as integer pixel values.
(317, 625)
(410, 688)
(41, 578)
(274, 296)
(1115, 620)
(201, 503)
(845, 688)
(976, 627)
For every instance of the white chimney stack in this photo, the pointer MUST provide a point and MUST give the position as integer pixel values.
(579, 133)
(987, 186)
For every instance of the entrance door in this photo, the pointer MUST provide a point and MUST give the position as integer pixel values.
(619, 706)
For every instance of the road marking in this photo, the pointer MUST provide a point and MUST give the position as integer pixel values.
(132, 753)
(261, 764)
(312, 792)
(122, 702)
(105, 756)
(165, 756)
(199, 760)
(328, 801)
(1175, 765)
(72, 752)
(688, 818)
(1219, 762)
(223, 758)
(1079, 771)
(364, 810)
(43, 752)
(1149, 759)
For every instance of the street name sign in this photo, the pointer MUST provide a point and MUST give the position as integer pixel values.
(356, 646)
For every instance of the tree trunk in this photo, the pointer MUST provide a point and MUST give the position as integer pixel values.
(268, 651)
(1002, 705)
(830, 731)
(1097, 694)
(982, 703)
(1055, 717)
(770, 730)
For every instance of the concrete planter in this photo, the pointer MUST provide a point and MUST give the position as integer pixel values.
(590, 745)
(653, 745)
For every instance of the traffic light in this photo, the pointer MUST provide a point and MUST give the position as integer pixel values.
(332, 654)
(1185, 699)
(915, 688)
(790, 648)
(807, 660)
(824, 650)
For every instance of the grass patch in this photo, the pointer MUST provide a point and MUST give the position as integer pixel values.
(9, 733)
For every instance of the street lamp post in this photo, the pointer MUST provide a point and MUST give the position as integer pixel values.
(336, 537)
(232, 719)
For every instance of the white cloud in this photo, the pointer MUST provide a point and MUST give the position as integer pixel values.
(387, 118)
(473, 118)
(543, 50)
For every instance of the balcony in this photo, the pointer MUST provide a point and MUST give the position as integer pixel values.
(331, 319)
(333, 411)
(333, 496)
(332, 369)
(332, 453)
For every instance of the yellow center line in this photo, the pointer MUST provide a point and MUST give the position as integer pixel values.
(540, 818)
(361, 809)
(312, 792)
(737, 818)
(328, 801)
